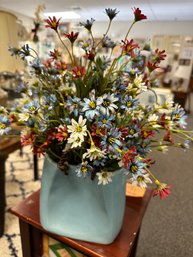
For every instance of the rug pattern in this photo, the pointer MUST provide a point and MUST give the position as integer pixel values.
(19, 185)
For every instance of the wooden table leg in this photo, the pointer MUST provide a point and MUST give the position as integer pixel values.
(31, 240)
(135, 243)
(2, 194)
(35, 159)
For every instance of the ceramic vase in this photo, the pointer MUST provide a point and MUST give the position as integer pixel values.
(79, 208)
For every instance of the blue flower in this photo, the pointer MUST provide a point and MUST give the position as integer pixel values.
(91, 106)
(136, 167)
(133, 131)
(107, 42)
(108, 105)
(179, 117)
(49, 101)
(119, 88)
(111, 141)
(105, 121)
(143, 146)
(31, 107)
(100, 161)
(129, 103)
(73, 104)
(84, 170)
(4, 125)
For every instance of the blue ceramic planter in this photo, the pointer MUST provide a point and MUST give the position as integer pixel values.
(80, 208)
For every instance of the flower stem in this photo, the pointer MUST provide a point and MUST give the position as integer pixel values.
(65, 46)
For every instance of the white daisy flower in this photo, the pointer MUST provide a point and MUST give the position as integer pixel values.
(104, 177)
(108, 104)
(78, 129)
(93, 153)
(138, 81)
(75, 141)
(162, 148)
(140, 180)
(153, 118)
(24, 116)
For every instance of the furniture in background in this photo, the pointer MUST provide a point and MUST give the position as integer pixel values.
(7, 146)
(124, 245)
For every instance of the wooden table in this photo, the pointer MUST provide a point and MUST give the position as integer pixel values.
(8, 146)
(124, 245)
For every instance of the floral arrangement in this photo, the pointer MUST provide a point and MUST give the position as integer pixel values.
(88, 112)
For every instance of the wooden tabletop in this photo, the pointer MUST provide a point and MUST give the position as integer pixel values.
(28, 211)
(8, 145)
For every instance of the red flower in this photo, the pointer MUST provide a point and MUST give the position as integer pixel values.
(163, 121)
(138, 15)
(55, 55)
(78, 72)
(90, 55)
(47, 63)
(147, 134)
(152, 66)
(62, 134)
(124, 132)
(159, 56)
(129, 156)
(52, 23)
(60, 66)
(148, 161)
(97, 134)
(28, 139)
(168, 137)
(71, 36)
(128, 46)
(163, 190)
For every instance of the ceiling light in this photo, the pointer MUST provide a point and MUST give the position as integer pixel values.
(68, 15)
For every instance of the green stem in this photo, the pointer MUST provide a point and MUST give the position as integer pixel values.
(151, 174)
(129, 30)
(64, 46)
(55, 155)
(73, 57)
(109, 25)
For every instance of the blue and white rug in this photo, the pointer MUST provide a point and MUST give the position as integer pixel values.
(19, 185)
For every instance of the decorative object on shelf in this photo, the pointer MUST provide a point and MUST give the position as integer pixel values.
(37, 23)
(87, 113)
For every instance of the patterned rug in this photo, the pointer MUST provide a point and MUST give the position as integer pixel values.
(19, 184)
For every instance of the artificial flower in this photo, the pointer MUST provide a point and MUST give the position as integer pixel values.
(104, 177)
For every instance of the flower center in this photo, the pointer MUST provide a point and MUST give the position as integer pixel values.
(106, 103)
(177, 117)
(139, 178)
(132, 131)
(134, 168)
(84, 169)
(78, 128)
(92, 104)
(104, 175)
(32, 108)
(129, 104)
(111, 140)
(104, 121)
(3, 126)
